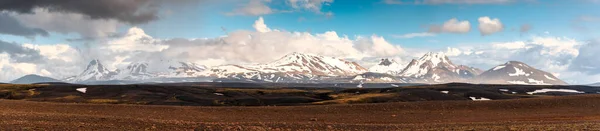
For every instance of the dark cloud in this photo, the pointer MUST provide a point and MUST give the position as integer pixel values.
(11, 26)
(130, 11)
(20, 53)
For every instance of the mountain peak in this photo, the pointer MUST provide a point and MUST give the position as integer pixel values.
(436, 67)
(33, 78)
(386, 62)
(388, 66)
(94, 71)
(435, 58)
(515, 72)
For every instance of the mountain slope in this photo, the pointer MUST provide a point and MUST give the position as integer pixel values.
(295, 63)
(134, 71)
(95, 71)
(31, 78)
(437, 68)
(514, 72)
(387, 66)
(186, 69)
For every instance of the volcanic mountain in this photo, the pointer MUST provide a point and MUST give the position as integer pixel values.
(30, 79)
(95, 71)
(298, 63)
(387, 66)
(515, 72)
(437, 68)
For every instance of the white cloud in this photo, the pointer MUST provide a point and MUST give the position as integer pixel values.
(311, 5)
(452, 26)
(135, 40)
(254, 7)
(261, 7)
(489, 26)
(551, 54)
(509, 45)
(413, 35)
(260, 25)
(60, 52)
(452, 51)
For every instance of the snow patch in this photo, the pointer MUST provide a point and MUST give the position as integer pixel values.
(537, 82)
(505, 90)
(82, 90)
(517, 82)
(549, 78)
(445, 92)
(394, 85)
(499, 67)
(479, 99)
(518, 72)
(554, 90)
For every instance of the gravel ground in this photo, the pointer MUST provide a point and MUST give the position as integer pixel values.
(580, 112)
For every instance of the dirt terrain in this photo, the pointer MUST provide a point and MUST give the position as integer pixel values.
(575, 112)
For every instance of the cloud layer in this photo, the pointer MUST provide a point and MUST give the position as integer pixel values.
(452, 26)
(238, 47)
(489, 26)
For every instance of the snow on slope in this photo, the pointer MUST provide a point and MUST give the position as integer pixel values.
(387, 66)
(186, 69)
(93, 72)
(295, 63)
(514, 72)
(437, 68)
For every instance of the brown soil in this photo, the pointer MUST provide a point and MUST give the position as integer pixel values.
(579, 112)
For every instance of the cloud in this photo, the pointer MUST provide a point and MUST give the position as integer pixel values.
(65, 22)
(58, 60)
(135, 40)
(260, 7)
(587, 60)
(254, 7)
(12, 26)
(238, 47)
(489, 26)
(260, 25)
(310, 5)
(525, 28)
(129, 11)
(556, 55)
(19, 53)
(451, 26)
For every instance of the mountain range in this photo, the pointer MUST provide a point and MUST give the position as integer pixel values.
(431, 68)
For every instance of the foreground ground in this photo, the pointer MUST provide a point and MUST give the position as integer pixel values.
(575, 112)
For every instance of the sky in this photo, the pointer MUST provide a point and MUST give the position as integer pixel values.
(58, 38)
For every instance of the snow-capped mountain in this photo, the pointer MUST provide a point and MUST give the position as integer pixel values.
(514, 72)
(135, 71)
(295, 63)
(437, 68)
(185, 69)
(387, 66)
(95, 71)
